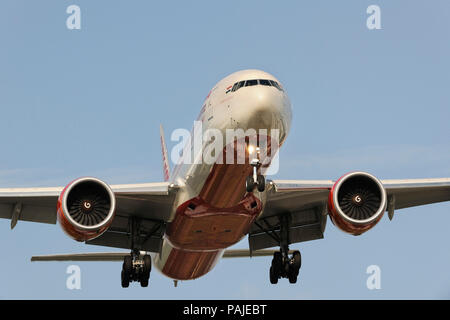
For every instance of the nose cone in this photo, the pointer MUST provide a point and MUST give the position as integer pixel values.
(262, 107)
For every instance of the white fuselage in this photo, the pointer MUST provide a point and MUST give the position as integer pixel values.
(260, 107)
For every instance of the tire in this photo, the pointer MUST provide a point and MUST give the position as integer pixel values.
(144, 282)
(277, 262)
(128, 265)
(297, 260)
(273, 276)
(147, 265)
(294, 268)
(249, 184)
(261, 183)
(292, 276)
(125, 280)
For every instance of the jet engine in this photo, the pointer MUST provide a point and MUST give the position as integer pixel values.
(86, 208)
(356, 202)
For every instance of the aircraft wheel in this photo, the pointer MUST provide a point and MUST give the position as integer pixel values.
(144, 281)
(273, 276)
(277, 262)
(125, 280)
(275, 268)
(261, 183)
(147, 264)
(127, 269)
(292, 276)
(249, 184)
(128, 265)
(297, 259)
(294, 267)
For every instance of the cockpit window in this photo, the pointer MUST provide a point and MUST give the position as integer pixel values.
(254, 82)
(276, 85)
(239, 85)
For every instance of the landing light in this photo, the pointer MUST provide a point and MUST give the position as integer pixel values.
(251, 149)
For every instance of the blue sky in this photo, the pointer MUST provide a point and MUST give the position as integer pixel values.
(90, 101)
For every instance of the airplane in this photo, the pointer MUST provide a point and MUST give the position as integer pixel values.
(185, 224)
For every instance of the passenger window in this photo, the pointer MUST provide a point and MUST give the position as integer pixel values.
(250, 83)
(264, 82)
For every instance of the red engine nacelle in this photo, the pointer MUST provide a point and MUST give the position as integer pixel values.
(86, 208)
(357, 202)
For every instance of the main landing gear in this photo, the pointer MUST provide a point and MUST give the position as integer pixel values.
(255, 180)
(283, 265)
(136, 267)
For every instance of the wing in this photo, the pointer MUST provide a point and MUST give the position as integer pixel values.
(148, 203)
(416, 192)
(119, 256)
(305, 202)
(29, 204)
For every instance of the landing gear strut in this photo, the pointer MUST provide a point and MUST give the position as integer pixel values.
(255, 179)
(283, 265)
(136, 267)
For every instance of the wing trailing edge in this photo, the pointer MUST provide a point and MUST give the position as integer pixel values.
(119, 256)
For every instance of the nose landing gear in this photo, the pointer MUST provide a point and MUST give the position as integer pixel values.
(255, 180)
